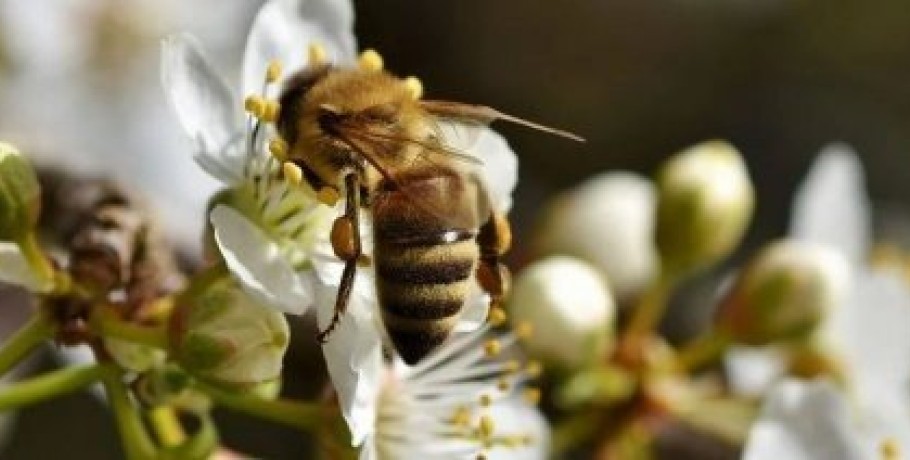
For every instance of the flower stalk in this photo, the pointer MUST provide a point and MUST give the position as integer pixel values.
(307, 417)
(33, 333)
(48, 386)
(137, 443)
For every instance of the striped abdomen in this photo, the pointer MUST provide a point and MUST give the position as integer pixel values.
(425, 256)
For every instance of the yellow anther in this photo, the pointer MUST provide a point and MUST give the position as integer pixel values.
(370, 61)
(255, 105)
(461, 417)
(492, 347)
(292, 173)
(486, 427)
(498, 316)
(328, 196)
(481, 457)
(532, 396)
(503, 384)
(271, 111)
(414, 86)
(278, 148)
(273, 71)
(534, 369)
(524, 330)
(512, 366)
(486, 400)
(316, 54)
(890, 450)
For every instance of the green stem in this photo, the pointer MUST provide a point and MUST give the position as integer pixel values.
(137, 443)
(304, 416)
(34, 332)
(36, 258)
(650, 309)
(199, 446)
(108, 324)
(48, 386)
(703, 351)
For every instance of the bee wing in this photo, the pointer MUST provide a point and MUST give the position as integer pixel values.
(486, 115)
(444, 197)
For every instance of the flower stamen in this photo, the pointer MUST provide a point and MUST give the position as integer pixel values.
(370, 61)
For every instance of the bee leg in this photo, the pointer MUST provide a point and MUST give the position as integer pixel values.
(494, 240)
(346, 243)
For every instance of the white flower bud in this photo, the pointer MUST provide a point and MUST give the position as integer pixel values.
(608, 221)
(784, 293)
(221, 334)
(569, 307)
(705, 203)
(19, 194)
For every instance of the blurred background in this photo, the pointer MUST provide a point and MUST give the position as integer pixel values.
(640, 79)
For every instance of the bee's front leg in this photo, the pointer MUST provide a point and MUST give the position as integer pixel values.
(494, 239)
(346, 243)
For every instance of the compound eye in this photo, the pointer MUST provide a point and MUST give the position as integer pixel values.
(329, 117)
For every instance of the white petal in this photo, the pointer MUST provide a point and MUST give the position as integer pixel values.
(752, 371)
(353, 355)
(871, 330)
(831, 207)
(15, 269)
(284, 29)
(257, 263)
(475, 311)
(514, 417)
(205, 107)
(804, 421)
(499, 172)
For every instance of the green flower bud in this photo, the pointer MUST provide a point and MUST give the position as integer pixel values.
(220, 334)
(134, 356)
(19, 194)
(705, 203)
(570, 310)
(170, 385)
(784, 293)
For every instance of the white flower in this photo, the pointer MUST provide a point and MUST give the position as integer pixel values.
(463, 400)
(868, 334)
(274, 236)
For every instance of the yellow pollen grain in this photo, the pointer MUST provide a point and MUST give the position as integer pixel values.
(534, 369)
(271, 111)
(492, 348)
(461, 417)
(278, 148)
(487, 427)
(414, 86)
(532, 396)
(498, 316)
(273, 71)
(316, 54)
(486, 400)
(327, 196)
(255, 105)
(292, 173)
(890, 450)
(524, 330)
(370, 61)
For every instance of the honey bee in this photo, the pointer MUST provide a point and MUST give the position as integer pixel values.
(367, 134)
